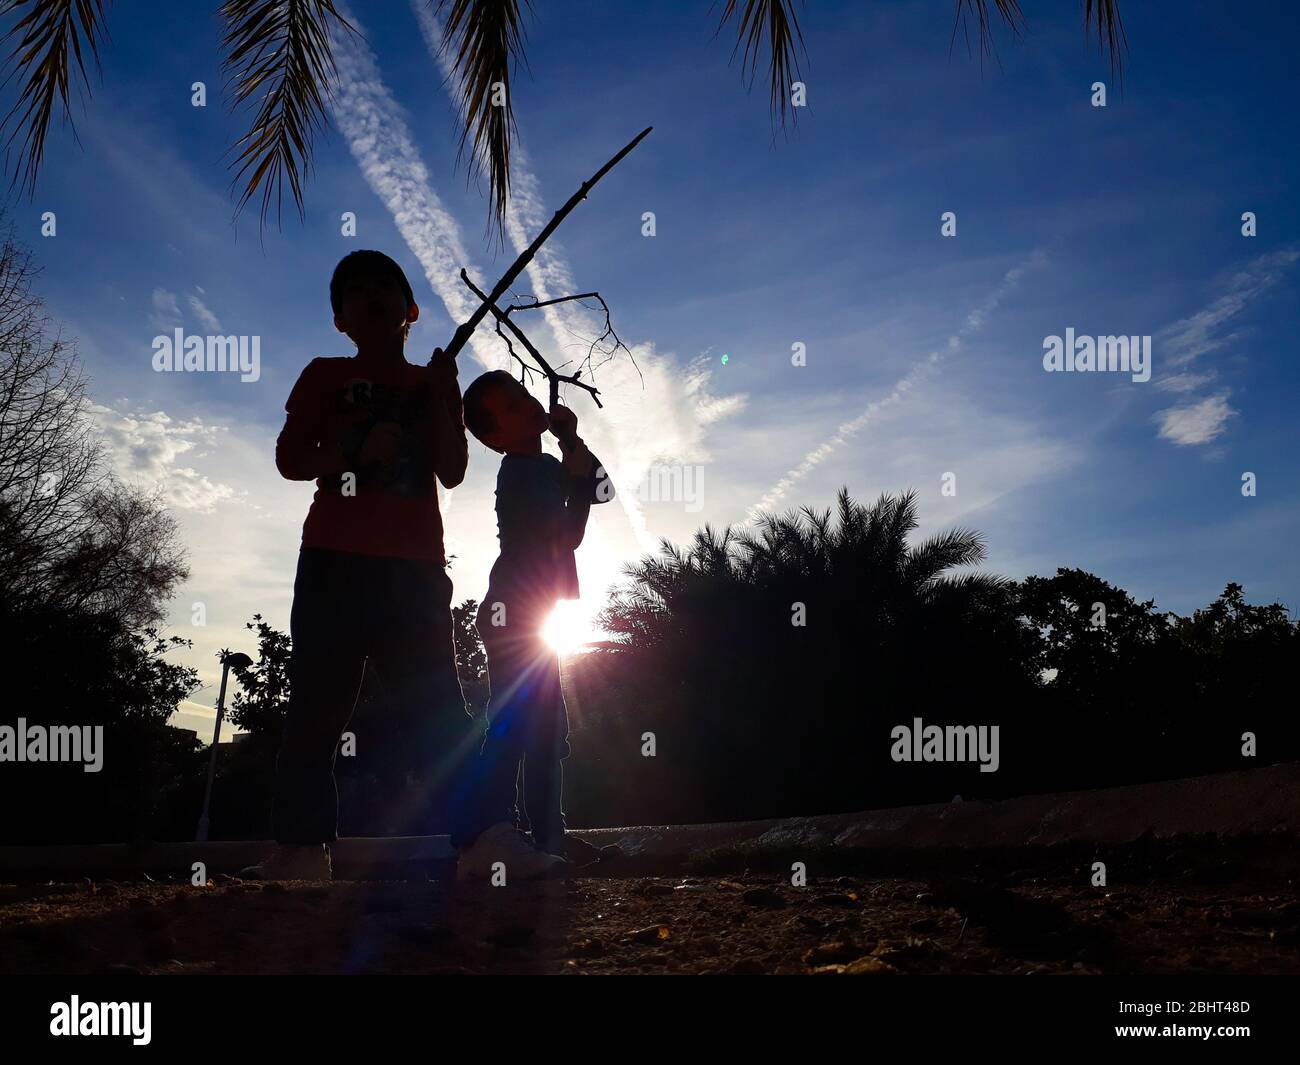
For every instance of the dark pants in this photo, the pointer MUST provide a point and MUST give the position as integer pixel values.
(527, 728)
(390, 619)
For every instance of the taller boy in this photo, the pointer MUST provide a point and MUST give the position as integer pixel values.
(371, 590)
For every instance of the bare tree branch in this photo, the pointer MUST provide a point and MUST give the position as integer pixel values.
(552, 376)
(526, 370)
(71, 535)
(587, 365)
(466, 329)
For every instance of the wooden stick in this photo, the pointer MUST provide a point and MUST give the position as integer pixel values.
(551, 376)
(547, 303)
(466, 329)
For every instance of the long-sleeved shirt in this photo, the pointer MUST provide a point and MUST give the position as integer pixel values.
(388, 509)
(541, 518)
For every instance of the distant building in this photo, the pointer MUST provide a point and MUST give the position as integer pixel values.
(231, 737)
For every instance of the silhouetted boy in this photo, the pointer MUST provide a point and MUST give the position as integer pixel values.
(542, 505)
(372, 592)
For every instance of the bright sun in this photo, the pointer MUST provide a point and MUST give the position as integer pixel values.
(570, 626)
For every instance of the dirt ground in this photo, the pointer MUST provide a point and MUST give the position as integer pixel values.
(685, 925)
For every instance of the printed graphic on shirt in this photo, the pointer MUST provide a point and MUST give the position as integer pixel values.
(363, 406)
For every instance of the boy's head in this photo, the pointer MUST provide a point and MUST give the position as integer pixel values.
(371, 299)
(501, 413)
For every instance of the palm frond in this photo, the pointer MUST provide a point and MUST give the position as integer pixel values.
(1110, 30)
(969, 593)
(984, 583)
(943, 551)
(770, 23)
(1008, 9)
(486, 35)
(278, 53)
(849, 511)
(902, 521)
(50, 44)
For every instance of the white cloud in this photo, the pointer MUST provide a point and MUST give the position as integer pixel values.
(1184, 382)
(1195, 423)
(145, 448)
(210, 321)
(242, 558)
(196, 716)
(166, 314)
(1201, 333)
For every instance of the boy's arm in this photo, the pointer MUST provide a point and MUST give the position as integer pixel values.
(450, 446)
(588, 484)
(576, 512)
(599, 486)
(299, 452)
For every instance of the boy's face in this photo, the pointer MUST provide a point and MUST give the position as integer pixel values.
(373, 309)
(518, 419)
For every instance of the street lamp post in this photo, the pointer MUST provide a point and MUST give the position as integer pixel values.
(239, 661)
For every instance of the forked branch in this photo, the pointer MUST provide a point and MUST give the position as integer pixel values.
(554, 377)
(489, 301)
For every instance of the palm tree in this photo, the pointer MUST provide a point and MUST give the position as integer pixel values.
(279, 64)
(772, 661)
(807, 555)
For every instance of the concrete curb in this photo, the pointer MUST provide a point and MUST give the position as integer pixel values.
(1246, 804)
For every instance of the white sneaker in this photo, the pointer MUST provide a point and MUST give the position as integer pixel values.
(293, 862)
(505, 843)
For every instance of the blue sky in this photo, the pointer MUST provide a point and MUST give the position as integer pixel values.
(924, 353)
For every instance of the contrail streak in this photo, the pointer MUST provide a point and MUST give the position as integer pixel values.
(925, 368)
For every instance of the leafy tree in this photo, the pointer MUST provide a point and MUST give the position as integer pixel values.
(1236, 668)
(471, 656)
(260, 703)
(754, 716)
(88, 670)
(1090, 629)
(86, 567)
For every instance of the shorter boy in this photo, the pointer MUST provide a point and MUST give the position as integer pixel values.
(542, 505)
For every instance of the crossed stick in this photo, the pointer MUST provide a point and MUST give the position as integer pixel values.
(489, 301)
(552, 374)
